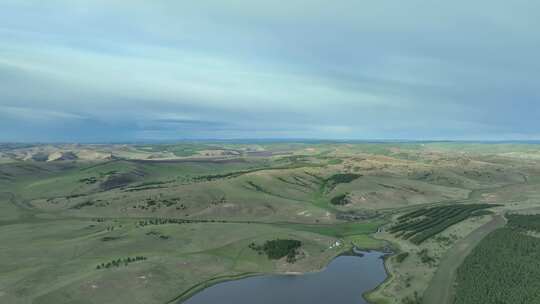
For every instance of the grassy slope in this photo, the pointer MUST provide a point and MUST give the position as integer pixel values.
(56, 247)
(53, 250)
(53, 259)
(440, 288)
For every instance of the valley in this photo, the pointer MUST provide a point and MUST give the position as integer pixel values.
(157, 223)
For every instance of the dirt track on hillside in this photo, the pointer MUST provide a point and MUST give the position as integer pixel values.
(440, 289)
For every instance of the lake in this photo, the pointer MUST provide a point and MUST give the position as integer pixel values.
(344, 281)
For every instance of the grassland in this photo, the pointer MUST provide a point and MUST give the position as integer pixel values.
(191, 211)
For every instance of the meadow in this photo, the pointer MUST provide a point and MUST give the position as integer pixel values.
(155, 223)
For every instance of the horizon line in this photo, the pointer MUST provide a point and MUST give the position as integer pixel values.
(270, 140)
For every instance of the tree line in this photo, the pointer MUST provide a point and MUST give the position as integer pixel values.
(120, 262)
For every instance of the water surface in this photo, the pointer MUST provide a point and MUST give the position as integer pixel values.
(342, 282)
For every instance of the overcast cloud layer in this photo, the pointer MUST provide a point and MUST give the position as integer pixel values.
(348, 69)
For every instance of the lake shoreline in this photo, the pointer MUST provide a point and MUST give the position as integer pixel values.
(352, 252)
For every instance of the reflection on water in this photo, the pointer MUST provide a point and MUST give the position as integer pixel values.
(343, 282)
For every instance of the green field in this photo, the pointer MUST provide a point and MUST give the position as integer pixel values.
(154, 223)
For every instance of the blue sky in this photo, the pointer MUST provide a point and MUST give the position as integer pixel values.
(74, 70)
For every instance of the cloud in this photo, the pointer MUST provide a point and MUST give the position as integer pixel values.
(38, 115)
(348, 69)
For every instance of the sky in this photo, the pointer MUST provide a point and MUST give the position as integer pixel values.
(123, 71)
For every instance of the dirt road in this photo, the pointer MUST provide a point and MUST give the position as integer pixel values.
(440, 289)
